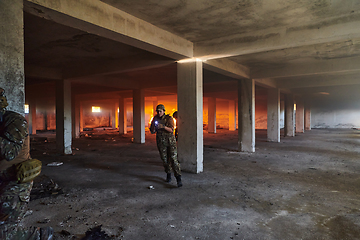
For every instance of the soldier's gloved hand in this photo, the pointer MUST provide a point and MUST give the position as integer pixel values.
(161, 126)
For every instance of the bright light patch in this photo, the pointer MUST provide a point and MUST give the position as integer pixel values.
(294, 107)
(26, 108)
(96, 109)
(190, 60)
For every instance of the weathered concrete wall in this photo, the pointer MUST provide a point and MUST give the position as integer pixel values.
(12, 53)
(339, 109)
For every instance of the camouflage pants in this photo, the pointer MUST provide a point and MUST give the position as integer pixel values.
(166, 144)
(13, 200)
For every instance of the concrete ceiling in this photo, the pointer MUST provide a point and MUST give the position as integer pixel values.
(296, 44)
(202, 20)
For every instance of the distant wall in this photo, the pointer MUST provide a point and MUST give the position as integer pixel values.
(339, 109)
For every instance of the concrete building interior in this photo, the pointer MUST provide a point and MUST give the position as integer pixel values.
(267, 94)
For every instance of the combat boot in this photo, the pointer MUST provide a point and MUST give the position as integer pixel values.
(46, 233)
(178, 179)
(168, 177)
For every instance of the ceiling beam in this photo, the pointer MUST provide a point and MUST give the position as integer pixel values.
(227, 67)
(107, 81)
(115, 66)
(336, 29)
(319, 81)
(321, 66)
(34, 71)
(104, 20)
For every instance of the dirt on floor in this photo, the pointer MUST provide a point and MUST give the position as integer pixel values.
(306, 187)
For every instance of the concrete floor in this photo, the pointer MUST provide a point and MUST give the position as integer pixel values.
(306, 187)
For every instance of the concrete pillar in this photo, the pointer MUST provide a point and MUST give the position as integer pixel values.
(117, 109)
(246, 114)
(122, 116)
(190, 115)
(289, 128)
(32, 117)
(81, 117)
(299, 128)
(232, 115)
(45, 120)
(77, 120)
(63, 117)
(139, 115)
(307, 118)
(273, 115)
(114, 115)
(212, 115)
(12, 54)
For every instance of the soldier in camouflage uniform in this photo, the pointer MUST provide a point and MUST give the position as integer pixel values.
(14, 149)
(163, 125)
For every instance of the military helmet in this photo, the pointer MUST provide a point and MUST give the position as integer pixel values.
(3, 100)
(160, 107)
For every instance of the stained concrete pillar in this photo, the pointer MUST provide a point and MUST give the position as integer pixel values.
(77, 120)
(190, 115)
(273, 115)
(139, 115)
(117, 109)
(81, 117)
(246, 117)
(299, 127)
(232, 115)
(122, 116)
(212, 115)
(63, 117)
(307, 117)
(12, 54)
(32, 117)
(113, 115)
(289, 128)
(45, 120)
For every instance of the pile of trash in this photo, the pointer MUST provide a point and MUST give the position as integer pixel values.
(44, 187)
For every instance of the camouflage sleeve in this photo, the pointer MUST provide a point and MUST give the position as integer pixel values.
(170, 122)
(152, 126)
(14, 130)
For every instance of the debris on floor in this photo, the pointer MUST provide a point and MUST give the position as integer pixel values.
(44, 187)
(54, 164)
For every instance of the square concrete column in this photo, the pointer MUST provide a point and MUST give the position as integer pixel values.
(114, 116)
(273, 115)
(77, 120)
(116, 110)
(307, 113)
(299, 128)
(212, 115)
(232, 115)
(81, 117)
(289, 128)
(32, 117)
(139, 115)
(246, 117)
(122, 116)
(63, 117)
(190, 115)
(12, 54)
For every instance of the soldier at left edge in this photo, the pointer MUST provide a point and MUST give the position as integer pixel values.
(17, 171)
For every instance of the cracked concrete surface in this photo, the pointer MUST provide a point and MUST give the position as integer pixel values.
(306, 187)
